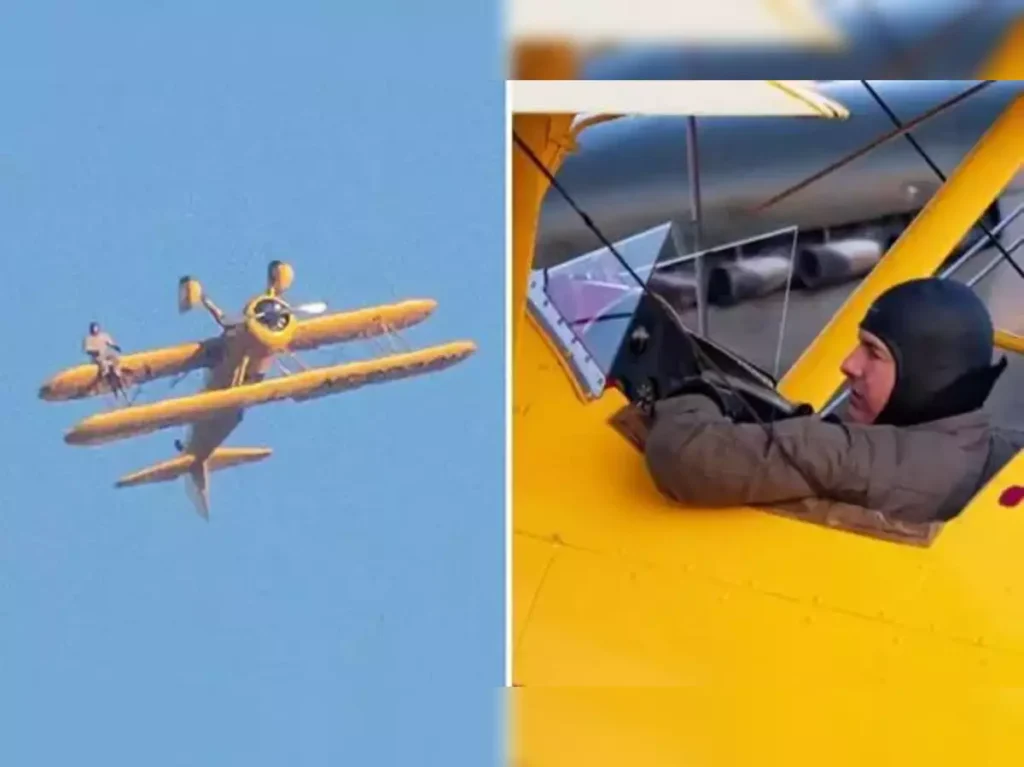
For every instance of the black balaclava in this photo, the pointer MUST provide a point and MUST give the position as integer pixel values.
(941, 337)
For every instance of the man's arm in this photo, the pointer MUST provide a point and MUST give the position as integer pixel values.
(107, 341)
(699, 457)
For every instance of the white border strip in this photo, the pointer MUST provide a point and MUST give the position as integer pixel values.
(774, 22)
(672, 97)
(508, 392)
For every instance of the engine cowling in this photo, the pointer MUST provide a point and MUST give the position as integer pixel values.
(270, 322)
(279, 277)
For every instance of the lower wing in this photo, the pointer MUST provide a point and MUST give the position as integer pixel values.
(132, 421)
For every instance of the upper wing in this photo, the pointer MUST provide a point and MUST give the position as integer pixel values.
(362, 323)
(132, 421)
(81, 381)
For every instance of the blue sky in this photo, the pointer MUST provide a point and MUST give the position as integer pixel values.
(345, 604)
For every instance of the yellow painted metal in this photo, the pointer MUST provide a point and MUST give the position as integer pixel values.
(544, 60)
(164, 471)
(127, 422)
(549, 137)
(970, 189)
(267, 340)
(190, 293)
(280, 276)
(240, 371)
(1007, 61)
(1010, 342)
(533, 557)
(226, 457)
(613, 585)
(360, 323)
(221, 458)
(733, 636)
(78, 381)
(845, 726)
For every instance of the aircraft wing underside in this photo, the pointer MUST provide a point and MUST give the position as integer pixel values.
(132, 421)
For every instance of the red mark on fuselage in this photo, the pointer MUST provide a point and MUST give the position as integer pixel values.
(1011, 496)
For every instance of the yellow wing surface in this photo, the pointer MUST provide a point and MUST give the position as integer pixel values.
(362, 323)
(221, 458)
(119, 424)
(81, 381)
(646, 633)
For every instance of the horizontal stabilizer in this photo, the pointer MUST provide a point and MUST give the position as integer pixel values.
(222, 458)
(228, 457)
(164, 471)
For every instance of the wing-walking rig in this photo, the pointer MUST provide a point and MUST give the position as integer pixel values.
(237, 363)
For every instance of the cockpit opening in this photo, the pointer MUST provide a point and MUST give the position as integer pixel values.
(632, 326)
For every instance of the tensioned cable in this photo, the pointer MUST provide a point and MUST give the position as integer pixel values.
(873, 144)
(938, 172)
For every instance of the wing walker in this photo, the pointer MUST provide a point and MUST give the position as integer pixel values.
(237, 363)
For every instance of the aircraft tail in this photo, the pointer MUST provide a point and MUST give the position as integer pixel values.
(197, 483)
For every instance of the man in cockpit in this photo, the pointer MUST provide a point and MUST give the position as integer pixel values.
(104, 351)
(915, 444)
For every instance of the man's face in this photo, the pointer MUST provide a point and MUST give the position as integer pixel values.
(871, 372)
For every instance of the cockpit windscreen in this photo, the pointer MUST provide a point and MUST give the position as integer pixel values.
(597, 296)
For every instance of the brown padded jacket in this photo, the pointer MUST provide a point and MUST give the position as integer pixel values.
(917, 474)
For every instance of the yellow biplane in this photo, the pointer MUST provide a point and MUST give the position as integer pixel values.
(237, 363)
(644, 633)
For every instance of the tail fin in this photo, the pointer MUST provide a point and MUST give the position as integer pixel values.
(197, 487)
(197, 484)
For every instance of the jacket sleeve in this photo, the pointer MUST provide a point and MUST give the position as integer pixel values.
(699, 457)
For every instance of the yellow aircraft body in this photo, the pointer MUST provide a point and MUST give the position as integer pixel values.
(237, 362)
(645, 633)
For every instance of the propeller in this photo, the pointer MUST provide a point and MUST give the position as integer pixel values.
(310, 309)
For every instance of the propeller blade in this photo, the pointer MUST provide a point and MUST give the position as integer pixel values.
(312, 308)
(316, 307)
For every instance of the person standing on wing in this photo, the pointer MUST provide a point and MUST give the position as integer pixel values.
(105, 353)
(915, 444)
